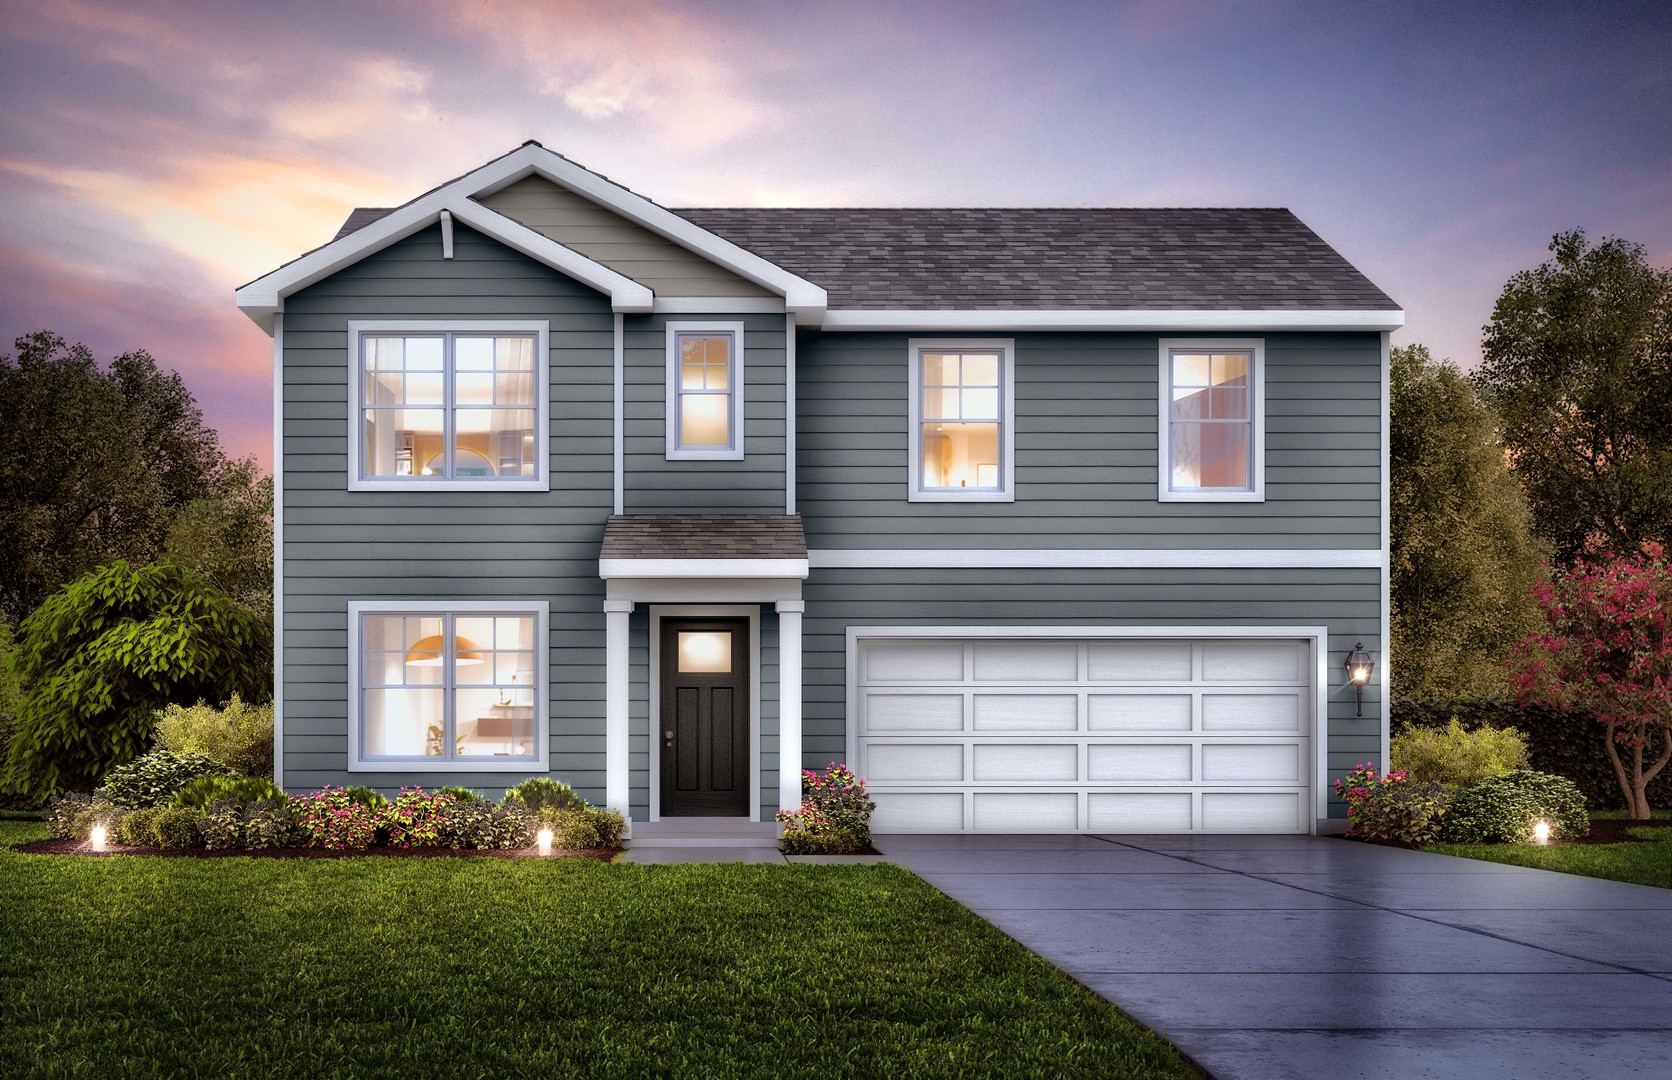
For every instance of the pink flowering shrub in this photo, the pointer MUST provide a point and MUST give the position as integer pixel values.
(418, 818)
(333, 818)
(834, 817)
(1391, 806)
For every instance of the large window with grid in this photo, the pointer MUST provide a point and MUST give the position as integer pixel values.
(705, 391)
(449, 406)
(962, 419)
(448, 685)
(1212, 423)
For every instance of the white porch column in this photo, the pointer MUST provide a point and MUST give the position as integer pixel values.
(789, 703)
(616, 775)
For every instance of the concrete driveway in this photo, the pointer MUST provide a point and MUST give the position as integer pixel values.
(1272, 956)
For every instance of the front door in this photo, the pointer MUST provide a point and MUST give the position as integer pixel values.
(705, 717)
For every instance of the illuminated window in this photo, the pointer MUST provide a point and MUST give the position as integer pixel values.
(961, 412)
(449, 687)
(705, 391)
(1211, 421)
(448, 407)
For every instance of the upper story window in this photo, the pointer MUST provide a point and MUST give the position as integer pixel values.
(705, 391)
(1212, 420)
(962, 414)
(449, 685)
(448, 405)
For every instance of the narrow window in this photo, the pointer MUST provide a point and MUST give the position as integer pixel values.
(448, 408)
(705, 390)
(450, 687)
(961, 407)
(1211, 430)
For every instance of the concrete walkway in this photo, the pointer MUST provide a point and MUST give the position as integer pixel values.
(1268, 957)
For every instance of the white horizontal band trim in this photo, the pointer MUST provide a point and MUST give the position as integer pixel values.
(718, 305)
(702, 568)
(1092, 558)
(1013, 319)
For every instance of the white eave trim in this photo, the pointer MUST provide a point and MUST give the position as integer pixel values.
(702, 568)
(1160, 320)
(1093, 558)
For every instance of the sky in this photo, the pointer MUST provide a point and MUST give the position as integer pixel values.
(153, 156)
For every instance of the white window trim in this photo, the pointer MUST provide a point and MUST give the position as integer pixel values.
(735, 451)
(540, 328)
(539, 763)
(1256, 347)
(1006, 347)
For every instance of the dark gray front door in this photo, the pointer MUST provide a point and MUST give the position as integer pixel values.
(705, 717)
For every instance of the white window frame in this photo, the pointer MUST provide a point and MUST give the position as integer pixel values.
(1006, 348)
(734, 452)
(1256, 348)
(539, 762)
(540, 328)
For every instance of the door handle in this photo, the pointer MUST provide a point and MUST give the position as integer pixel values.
(668, 735)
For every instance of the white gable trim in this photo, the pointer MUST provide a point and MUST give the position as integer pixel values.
(264, 297)
(1021, 319)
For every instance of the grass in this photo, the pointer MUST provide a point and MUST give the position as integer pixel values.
(139, 967)
(1641, 864)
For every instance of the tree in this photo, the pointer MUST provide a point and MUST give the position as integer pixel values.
(227, 537)
(1607, 650)
(1463, 556)
(94, 464)
(1578, 367)
(101, 655)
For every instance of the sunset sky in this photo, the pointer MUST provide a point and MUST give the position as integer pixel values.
(155, 155)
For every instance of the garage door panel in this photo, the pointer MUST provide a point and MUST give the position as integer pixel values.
(941, 811)
(914, 661)
(1251, 811)
(1027, 661)
(1026, 811)
(1138, 712)
(1134, 661)
(1238, 763)
(1276, 713)
(1253, 661)
(921, 762)
(1027, 712)
(905, 713)
(1010, 762)
(1140, 762)
(1138, 812)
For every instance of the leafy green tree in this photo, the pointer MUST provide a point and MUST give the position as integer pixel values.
(94, 464)
(228, 536)
(1464, 558)
(1578, 367)
(101, 655)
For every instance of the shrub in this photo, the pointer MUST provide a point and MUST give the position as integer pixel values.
(583, 829)
(834, 806)
(221, 828)
(1502, 810)
(541, 792)
(366, 797)
(61, 811)
(175, 827)
(802, 842)
(482, 825)
(333, 818)
(105, 652)
(240, 791)
(239, 735)
(418, 818)
(139, 827)
(98, 812)
(228, 826)
(152, 780)
(1408, 812)
(1456, 756)
(461, 794)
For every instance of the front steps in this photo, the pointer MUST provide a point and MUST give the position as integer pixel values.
(697, 832)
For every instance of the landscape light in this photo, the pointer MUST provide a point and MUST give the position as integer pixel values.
(1359, 666)
(1541, 832)
(544, 839)
(97, 837)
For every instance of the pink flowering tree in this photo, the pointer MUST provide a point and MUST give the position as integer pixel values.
(1606, 649)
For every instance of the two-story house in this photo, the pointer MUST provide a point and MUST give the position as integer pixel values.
(1043, 519)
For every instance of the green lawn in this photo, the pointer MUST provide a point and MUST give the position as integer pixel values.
(1641, 864)
(140, 967)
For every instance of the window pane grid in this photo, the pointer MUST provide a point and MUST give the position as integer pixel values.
(1210, 420)
(479, 411)
(704, 399)
(960, 431)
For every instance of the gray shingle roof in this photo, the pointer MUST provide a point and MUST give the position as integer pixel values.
(704, 536)
(1043, 259)
(360, 217)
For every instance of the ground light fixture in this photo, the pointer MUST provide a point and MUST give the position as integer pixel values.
(543, 840)
(1541, 832)
(97, 837)
(1359, 667)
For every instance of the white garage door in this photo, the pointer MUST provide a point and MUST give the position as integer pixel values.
(1056, 734)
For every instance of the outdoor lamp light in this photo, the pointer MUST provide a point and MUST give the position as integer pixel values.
(97, 837)
(1359, 666)
(1541, 832)
(544, 839)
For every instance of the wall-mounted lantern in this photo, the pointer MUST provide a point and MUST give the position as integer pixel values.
(1359, 666)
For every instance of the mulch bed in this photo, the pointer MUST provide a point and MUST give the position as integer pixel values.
(78, 847)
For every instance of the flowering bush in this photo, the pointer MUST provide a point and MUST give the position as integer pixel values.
(1391, 806)
(1362, 785)
(418, 818)
(834, 817)
(332, 818)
